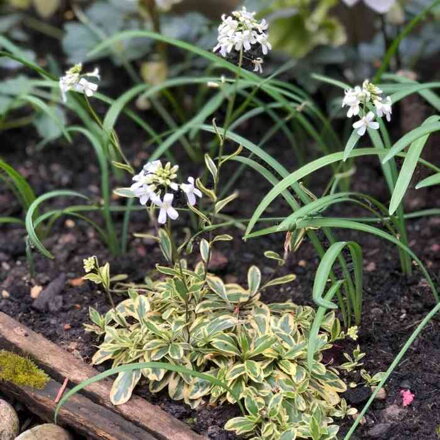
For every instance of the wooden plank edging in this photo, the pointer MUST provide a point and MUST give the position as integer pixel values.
(87, 418)
(61, 364)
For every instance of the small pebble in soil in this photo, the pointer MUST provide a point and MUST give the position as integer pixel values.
(47, 431)
(9, 424)
(381, 394)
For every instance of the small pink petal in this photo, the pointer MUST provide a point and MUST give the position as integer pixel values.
(407, 397)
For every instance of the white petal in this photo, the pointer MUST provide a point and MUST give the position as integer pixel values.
(350, 2)
(172, 213)
(191, 198)
(374, 125)
(362, 130)
(380, 6)
(168, 198)
(144, 199)
(162, 216)
(359, 124)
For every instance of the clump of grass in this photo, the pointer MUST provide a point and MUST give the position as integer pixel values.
(21, 371)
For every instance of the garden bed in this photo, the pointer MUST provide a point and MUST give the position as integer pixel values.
(393, 304)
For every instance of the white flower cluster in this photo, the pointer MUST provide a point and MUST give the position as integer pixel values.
(155, 179)
(357, 101)
(76, 81)
(242, 32)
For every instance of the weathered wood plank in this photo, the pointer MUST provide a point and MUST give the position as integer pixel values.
(86, 417)
(61, 364)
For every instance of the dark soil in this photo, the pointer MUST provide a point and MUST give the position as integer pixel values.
(393, 304)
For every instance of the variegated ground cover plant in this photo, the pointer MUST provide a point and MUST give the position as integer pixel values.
(189, 317)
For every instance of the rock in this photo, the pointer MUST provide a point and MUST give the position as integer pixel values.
(357, 395)
(50, 299)
(380, 430)
(48, 431)
(393, 413)
(9, 424)
(381, 394)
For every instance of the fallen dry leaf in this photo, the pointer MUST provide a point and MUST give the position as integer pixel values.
(35, 291)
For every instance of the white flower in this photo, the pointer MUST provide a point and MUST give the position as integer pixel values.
(140, 180)
(191, 191)
(241, 31)
(166, 208)
(352, 99)
(75, 80)
(86, 87)
(144, 192)
(263, 39)
(166, 5)
(380, 6)
(384, 108)
(152, 167)
(364, 123)
(258, 65)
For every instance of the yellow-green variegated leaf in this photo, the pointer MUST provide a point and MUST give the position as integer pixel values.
(142, 307)
(281, 280)
(226, 343)
(274, 406)
(290, 434)
(262, 344)
(254, 404)
(254, 370)
(176, 387)
(236, 294)
(102, 355)
(156, 386)
(235, 372)
(288, 367)
(240, 425)
(158, 354)
(176, 351)
(221, 324)
(199, 388)
(254, 279)
(123, 386)
(217, 286)
(209, 306)
(205, 250)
